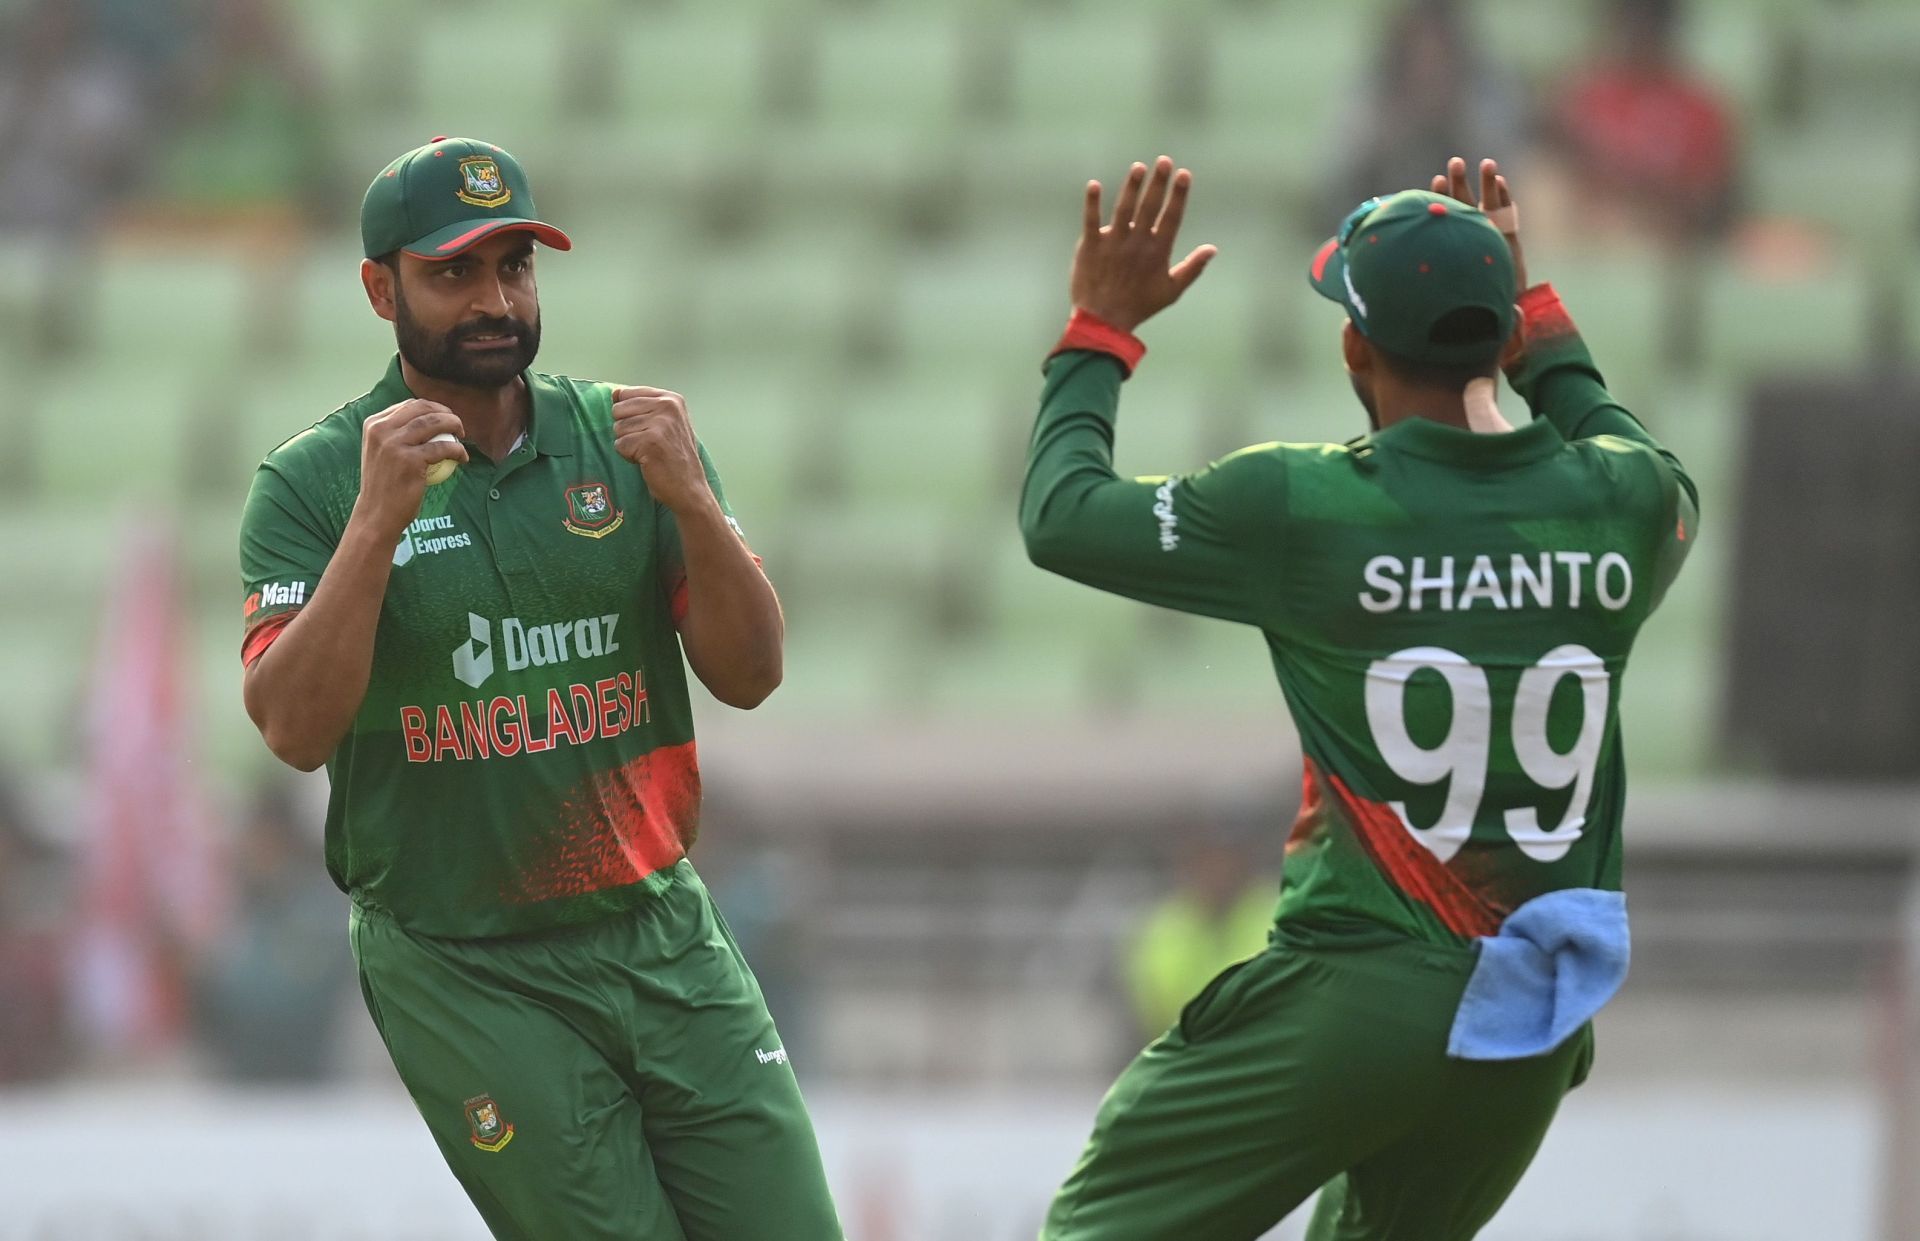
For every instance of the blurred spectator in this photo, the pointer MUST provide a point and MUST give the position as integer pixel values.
(249, 150)
(1649, 142)
(76, 128)
(33, 898)
(1432, 94)
(270, 993)
(1218, 914)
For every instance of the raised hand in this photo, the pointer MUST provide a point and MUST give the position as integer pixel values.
(1120, 270)
(1495, 199)
(396, 447)
(652, 430)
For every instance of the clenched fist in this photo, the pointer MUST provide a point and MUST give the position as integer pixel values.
(396, 447)
(652, 430)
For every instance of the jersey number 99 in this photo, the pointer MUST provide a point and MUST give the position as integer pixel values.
(1463, 754)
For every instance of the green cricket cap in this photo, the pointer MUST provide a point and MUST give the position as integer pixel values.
(439, 199)
(1405, 265)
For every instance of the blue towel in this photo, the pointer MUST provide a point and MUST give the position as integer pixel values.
(1556, 962)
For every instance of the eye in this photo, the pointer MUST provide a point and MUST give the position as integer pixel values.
(453, 271)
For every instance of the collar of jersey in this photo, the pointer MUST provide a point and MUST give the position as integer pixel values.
(552, 416)
(1423, 437)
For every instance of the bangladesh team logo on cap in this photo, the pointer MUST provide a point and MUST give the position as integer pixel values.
(590, 511)
(481, 183)
(491, 1132)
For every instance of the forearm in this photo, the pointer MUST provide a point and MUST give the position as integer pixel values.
(732, 629)
(303, 691)
(1559, 380)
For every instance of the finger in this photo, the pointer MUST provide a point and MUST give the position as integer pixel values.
(1457, 179)
(1090, 210)
(1191, 267)
(1156, 195)
(1129, 201)
(423, 428)
(1169, 225)
(1506, 195)
(635, 391)
(1439, 185)
(1489, 185)
(443, 450)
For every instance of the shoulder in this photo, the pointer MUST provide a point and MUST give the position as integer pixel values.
(591, 400)
(328, 448)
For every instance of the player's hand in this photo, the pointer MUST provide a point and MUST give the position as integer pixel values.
(1120, 271)
(652, 430)
(1494, 198)
(396, 447)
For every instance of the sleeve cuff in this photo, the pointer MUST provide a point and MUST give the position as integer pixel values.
(1543, 316)
(1088, 331)
(262, 636)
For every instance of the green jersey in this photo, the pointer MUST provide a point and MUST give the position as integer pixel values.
(524, 757)
(1449, 615)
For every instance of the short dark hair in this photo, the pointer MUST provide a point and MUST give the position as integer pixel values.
(390, 260)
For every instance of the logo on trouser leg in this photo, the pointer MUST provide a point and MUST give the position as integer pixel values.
(491, 1131)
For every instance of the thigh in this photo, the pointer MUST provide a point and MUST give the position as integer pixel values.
(540, 1130)
(1287, 1069)
(1445, 1180)
(731, 1139)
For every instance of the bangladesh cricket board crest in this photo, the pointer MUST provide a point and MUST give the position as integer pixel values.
(491, 1132)
(590, 511)
(481, 183)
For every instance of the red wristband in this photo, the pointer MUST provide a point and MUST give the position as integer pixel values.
(1542, 316)
(1090, 331)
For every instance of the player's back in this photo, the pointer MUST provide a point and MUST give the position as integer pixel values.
(1451, 622)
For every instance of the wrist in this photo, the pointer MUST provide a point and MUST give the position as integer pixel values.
(367, 526)
(1086, 329)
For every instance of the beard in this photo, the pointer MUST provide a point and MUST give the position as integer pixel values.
(441, 355)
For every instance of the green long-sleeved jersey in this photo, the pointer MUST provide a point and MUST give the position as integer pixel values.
(1449, 615)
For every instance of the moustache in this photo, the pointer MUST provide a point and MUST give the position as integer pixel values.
(492, 327)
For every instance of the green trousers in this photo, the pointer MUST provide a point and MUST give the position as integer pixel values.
(1307, 1067)
(618, 1080)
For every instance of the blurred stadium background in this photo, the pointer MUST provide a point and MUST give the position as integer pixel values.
(994, 825)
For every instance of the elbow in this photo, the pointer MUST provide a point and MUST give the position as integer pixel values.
(286, 745)
(747, 688)
(297, 753)
(1043, 545)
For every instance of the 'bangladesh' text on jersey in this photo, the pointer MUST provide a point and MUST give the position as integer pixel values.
(1449, 615)
(524, 756)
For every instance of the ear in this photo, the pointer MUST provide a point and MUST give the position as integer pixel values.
(1357, 351)
(378, 280)
(1516, 346)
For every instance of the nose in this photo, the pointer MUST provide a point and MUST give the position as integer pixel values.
(490, 298)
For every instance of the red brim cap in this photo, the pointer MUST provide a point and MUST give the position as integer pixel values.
(458, 238)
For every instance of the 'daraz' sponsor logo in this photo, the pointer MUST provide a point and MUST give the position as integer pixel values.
(503, 726)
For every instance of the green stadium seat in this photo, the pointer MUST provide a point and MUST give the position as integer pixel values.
(887, 72)
(1281, 83)
(1857, 175)
(1072, 76)
(139, 302)
(979, 310)
(116, 429)
(924, 443)
(1758, 325)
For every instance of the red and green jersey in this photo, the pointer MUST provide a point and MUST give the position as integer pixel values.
(1449, 615)
(524, 756)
